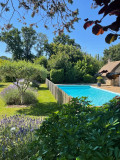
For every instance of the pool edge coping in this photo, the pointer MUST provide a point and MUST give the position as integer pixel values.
(90, 86)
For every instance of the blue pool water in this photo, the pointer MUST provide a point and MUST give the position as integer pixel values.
(97, 96)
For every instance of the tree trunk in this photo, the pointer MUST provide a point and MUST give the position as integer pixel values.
(21, 98)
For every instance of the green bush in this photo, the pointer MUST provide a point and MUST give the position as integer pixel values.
(87, 78)
(80, 132)
(70, 76)
(11, 96)
(6, 79)
(57, 76)
(42, 61)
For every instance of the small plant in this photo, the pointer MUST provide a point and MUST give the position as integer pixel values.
(16, 134)
(99, 78)
(11, 96)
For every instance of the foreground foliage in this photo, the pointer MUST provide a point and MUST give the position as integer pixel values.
(108, 8)
(81, 132)
(16, 133)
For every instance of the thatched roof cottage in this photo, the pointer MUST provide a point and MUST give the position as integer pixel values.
(111, 67)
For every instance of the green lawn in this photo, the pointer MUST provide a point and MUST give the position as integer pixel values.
(46, 104)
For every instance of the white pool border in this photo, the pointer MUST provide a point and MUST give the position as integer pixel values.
(87, 85)
(106, 90)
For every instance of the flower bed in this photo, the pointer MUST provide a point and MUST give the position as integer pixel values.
(16, 135)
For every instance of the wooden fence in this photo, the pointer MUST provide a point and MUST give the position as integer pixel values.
(59, 95)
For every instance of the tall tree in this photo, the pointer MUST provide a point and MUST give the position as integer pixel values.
(113, 53)
(65, 39)
(20, 43)
(14, 43)
(41, 39)
(61, 43)
(29, 40)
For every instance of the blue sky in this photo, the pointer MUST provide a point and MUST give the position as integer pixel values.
(90, 43)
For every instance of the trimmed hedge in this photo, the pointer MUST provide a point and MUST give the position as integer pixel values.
(57, 76)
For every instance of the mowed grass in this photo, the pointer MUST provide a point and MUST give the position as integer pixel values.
(46, 104)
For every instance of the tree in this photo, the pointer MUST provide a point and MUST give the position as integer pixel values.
(108, 7)
(59, 61)
(65, 39)
(4, 58)
(113, 53)
(20, 43)
(73, 53)
(41, 39)
(74, 63)
(62, 43)
(22, 70)
(29, 40)
(14, 43)
(48, 10)
(41, 61)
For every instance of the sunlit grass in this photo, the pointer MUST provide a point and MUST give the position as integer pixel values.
(46, 104)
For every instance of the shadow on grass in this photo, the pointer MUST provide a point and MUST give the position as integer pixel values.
(1, 85)
(40, 109)
(43, 88)
(45, 105)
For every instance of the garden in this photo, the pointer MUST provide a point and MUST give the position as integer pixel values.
(33, 126)
(24, 104)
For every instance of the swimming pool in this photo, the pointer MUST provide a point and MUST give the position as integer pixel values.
(97, 96)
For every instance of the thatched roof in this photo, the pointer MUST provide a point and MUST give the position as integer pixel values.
(110, 67)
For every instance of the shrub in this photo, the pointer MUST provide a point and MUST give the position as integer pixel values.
(70, 76)
(57, 76)
(6, 79)
(87, 78)
(41, 60)
(16, 134)
(80, 132)
(12, 97)
(22, 73)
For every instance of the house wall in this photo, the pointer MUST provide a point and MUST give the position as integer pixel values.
(116, 81)
(107, 81)
(113, 82)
